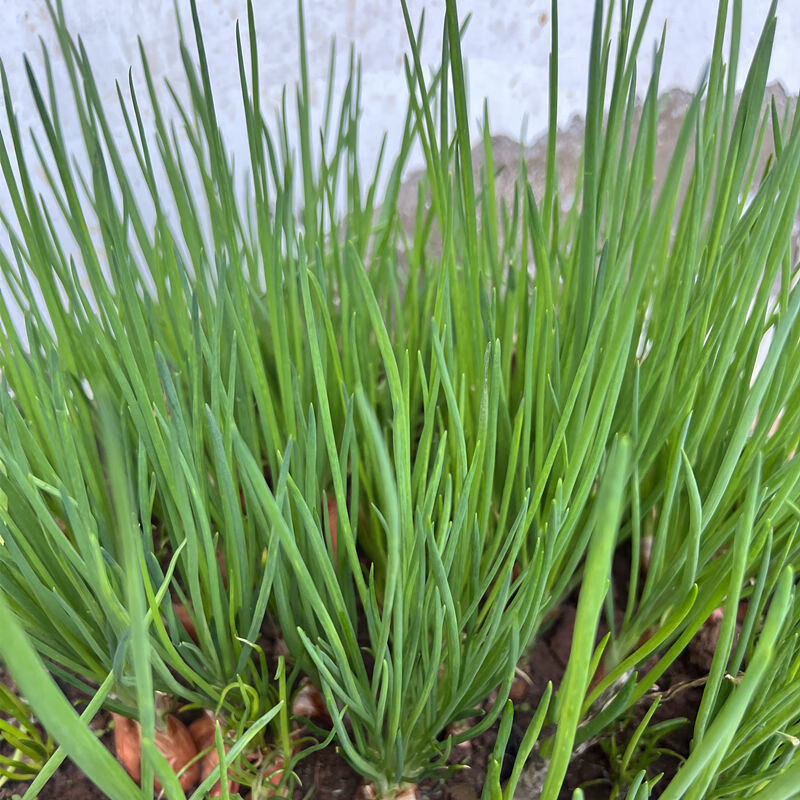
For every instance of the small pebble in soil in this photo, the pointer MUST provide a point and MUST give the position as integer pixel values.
(461, 791)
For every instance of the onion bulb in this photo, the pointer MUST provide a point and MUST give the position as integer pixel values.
(182, 613)
(173, 741)
(274, 775)
(203, 732)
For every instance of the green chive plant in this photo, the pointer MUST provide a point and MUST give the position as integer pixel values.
(29, 749)
(239, 397)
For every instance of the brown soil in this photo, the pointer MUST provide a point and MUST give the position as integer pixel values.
(68, 781)
(326, 776)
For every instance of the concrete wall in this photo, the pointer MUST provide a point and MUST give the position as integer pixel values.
(506, 45)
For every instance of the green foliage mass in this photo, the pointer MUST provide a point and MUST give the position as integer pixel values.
(490, 403)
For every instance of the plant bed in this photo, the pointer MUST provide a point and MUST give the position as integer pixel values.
(512, 480)
(326, 776)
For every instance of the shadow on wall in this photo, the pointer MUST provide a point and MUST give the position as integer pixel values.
(507, 152)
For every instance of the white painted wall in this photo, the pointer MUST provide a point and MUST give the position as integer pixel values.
(506, 46)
